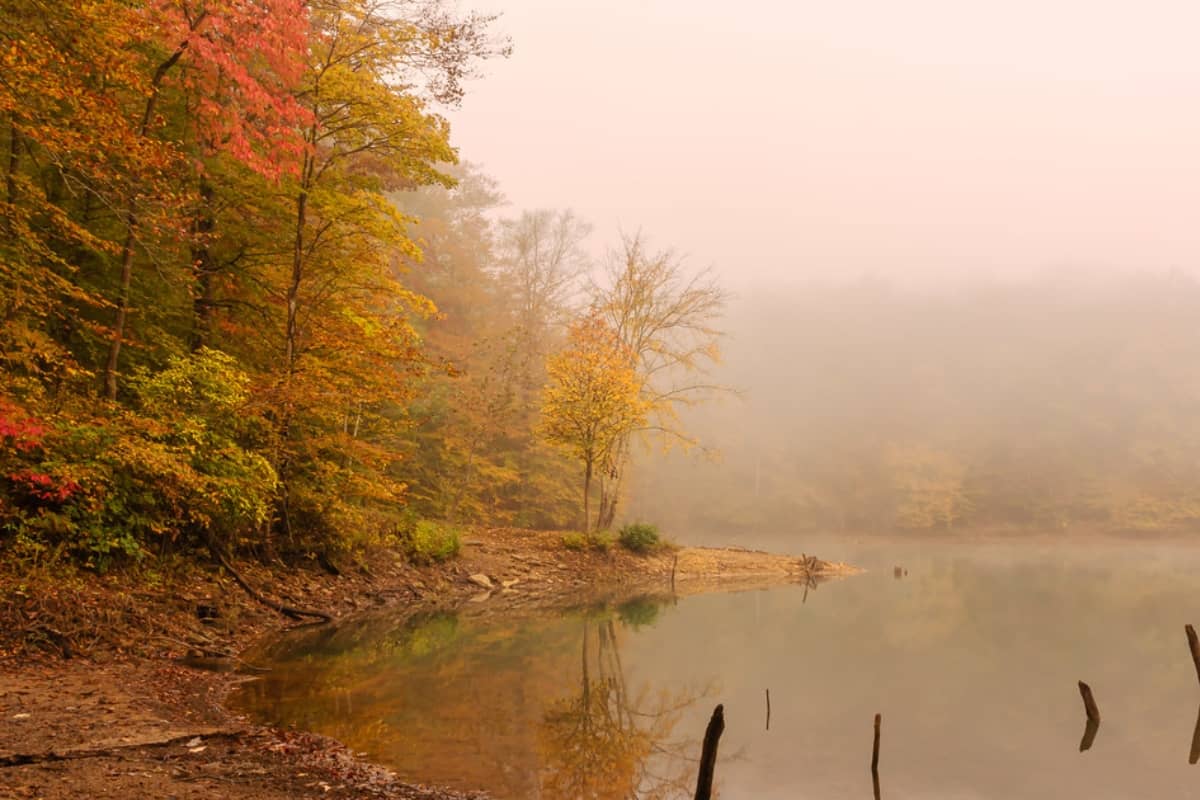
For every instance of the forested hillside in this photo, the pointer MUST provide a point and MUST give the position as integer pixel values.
(250, 300)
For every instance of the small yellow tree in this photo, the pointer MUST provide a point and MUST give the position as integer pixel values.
(593, 398)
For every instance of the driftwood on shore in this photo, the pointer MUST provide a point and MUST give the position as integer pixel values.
(24, 759)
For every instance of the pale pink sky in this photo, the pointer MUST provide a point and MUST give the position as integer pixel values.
(892, 137)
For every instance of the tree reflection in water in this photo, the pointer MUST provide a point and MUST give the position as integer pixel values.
(603, 744)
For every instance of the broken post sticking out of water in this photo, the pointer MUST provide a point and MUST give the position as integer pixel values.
(768, 691)
(875, 746)
(1089, 734)
(708, 756)
(1194, 646)
(1194, 756)
(1089, 702)
(875, 757)
(674, 564)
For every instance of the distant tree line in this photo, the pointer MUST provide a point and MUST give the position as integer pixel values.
(1045, 403)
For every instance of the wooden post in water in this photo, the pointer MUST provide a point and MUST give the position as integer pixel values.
(875, 757)
(1089, 702)
(1194, 756)
(1194, 646)
(708, 756)
(875, 746)
(1089, 734)
(768, 691)
(674, 564)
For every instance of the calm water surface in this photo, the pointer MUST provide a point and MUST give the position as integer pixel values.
(972, 658)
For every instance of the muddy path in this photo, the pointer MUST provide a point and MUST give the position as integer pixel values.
(138, 711)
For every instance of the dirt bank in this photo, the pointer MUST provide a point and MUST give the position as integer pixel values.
(101, 694)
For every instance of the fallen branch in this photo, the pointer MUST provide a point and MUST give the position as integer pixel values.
(22, 759)
(290, 612)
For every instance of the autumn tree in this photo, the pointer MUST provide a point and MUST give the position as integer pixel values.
(73, 154)
(217, 174)
(243, 60)
(666, 322)
(474, 452)
(349, 348)
(593, 400)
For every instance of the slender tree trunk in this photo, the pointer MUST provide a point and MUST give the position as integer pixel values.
(587, 492)
(293, 294)
(118, 334)
(14, 163)
(602, 502)
(204, 301)
(114, 348)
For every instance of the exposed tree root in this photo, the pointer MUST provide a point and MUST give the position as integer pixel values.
(288, 611)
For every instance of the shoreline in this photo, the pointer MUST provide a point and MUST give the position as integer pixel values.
(147, 715)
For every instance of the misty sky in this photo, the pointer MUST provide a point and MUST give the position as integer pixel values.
(808, 137)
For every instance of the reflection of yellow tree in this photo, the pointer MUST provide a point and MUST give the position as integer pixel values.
(600, 744)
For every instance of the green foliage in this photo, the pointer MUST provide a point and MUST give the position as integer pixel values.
(601, 541)
(640, 537)
(177, 466)
(429, 542)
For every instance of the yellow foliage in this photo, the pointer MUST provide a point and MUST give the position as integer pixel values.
(594, 396)
(593, 399)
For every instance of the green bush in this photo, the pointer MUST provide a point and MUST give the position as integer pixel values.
(574, 541)
(428, 542)
(640, 537)
(180, 466)
(602, 541)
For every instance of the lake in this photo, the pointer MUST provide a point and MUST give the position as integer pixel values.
(972, 658)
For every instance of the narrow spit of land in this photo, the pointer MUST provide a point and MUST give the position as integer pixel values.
(129, 700)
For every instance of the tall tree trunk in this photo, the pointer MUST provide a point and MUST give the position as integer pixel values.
(291, 355)
(204, 301)
(14, 163)
(612, 485)
(291, 346)
(118, 336)
(602, 502)
(587, 492)
(118, 333)
(292, 334)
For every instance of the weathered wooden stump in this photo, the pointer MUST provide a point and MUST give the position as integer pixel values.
(708, 755)
(1194, 646)
(1089, 702)
(875, 757)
